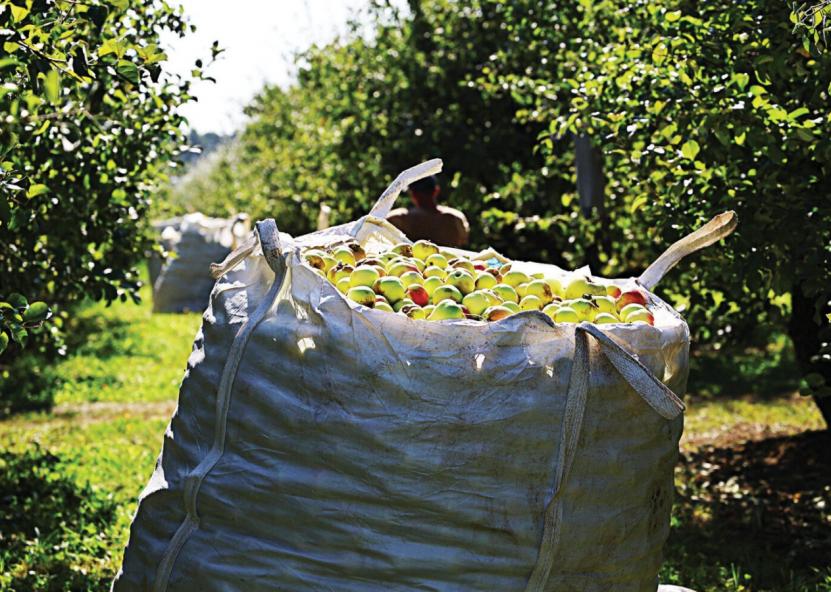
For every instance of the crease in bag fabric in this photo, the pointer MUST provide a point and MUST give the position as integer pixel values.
(182, 282)
(320, 445)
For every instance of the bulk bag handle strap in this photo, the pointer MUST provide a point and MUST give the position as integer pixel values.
(715, 230)
(382, 207)
(656, 394)
(266, 235)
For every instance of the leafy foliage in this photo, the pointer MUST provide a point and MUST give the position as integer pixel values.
(89, 124)
(697, 108)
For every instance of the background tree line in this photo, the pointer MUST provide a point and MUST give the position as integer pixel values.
(696, 107)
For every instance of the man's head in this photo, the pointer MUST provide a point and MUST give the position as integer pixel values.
(425, 192)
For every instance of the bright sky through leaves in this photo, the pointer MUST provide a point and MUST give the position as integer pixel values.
(260, 37)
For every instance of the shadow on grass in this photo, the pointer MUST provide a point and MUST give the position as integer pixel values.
(54, 532)
(764, 506)
(765, 371)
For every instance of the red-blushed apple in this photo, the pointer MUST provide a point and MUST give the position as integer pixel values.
(362, 295)
(418, 294)
(496, 313)
(612, 290)
(479, 265)
(631, 297)
(505, 268)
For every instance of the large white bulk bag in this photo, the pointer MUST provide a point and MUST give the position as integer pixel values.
(182, 282)
(321, 445)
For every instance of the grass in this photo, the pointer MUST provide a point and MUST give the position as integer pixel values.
(113, 395)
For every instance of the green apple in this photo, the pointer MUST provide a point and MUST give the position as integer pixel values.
(341, 270)
(383, 306)
(415, 312)
(436, 260)
(505, 268)
(642, 315)
(485, 280)
(403, 249)
(585, 309)
(404, 302)
(431, 283)
(362, 295)
(512, 306)
(460, 263)
(446, 293)
(629, 309)
(605, 304)
(565, 314)
(428, 309)
(556, 286)
(343, 285)
(423, 249)
(399, 268)
(537, 276)
(411, 277)
(522, 290)
(357, 250)
(476, 302)
(541, 290)
(515, 277)
(390, 287)
(613, 291)
(576, 288)
(604, 318)
(506, 293)
(550, 309)
(462, 280)
(435, 271)
(364, 275)
(344, 255)
(446, 310)
(531, 302)
(418, 263)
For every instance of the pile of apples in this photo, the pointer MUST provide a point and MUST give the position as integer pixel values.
(423, 282)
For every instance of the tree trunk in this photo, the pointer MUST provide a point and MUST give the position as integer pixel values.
(805, 334)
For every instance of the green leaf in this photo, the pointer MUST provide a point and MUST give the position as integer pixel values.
(52, 86)
(128, 70)
(673, 16)
(17, 300)
(690, 149)
(4, 341)
(19, 334)
(120, 4)
(37, 312)
(18, 12)
(741, 79)
(797, 113)
(741, 138)
(659, 54)
(36, 189)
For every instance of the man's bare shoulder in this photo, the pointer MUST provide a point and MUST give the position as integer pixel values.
(398, 212)
(452, 212)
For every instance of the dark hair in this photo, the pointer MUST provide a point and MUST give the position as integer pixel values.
(424, 186)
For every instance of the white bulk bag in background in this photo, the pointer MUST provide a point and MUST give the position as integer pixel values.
(320, 445)
(183, 282)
